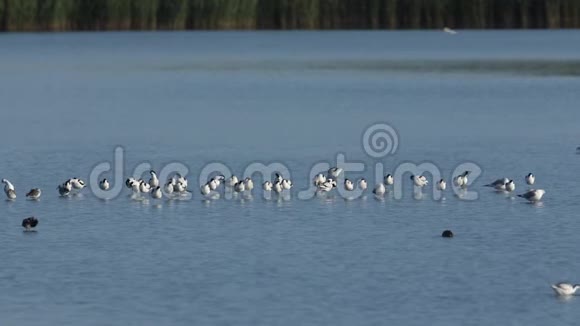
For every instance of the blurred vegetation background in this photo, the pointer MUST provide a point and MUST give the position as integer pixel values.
(61, 15)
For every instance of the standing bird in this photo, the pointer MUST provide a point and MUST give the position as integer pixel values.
(65, 188)
(461, 180)
(286, 184)
(29, 223)
(419, 181)
(389, 180)
(362, 184)
(168, 187)
(248, 184)
(267, 186)
(153, 181)
(34, 193)
(156, 193)
(239, 187)
(565, 289)
(498, 184)
(278, 178)
(232, 181)
(510, 186)
(334, 172)
(533, 195)
(9, 189)
(327, 186)
(348, 185)
(319, 179)
(441, 185)
(104, 184)
(144, 187)
(77, 183)
(277, 187)
(379, 189)
(205, 189)
(530, 179)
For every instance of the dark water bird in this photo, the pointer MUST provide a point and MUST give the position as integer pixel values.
(34, 193)
(29, 223)
(447, 234)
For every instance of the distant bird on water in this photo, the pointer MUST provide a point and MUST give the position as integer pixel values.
(34, 193)
(533, 195)
(104, 184)
(565, 289)
(29, 223)
(449, 30)
(530, 179)
(9, 189)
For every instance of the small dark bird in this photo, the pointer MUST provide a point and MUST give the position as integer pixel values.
(447, 234)
(29, 223)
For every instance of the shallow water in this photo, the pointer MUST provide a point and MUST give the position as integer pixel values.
(505, 101)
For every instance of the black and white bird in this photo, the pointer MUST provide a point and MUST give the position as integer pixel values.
(565, 289)
(34, 193)
(533, 195)
(319, 179)
(389, 180)
(461, 180)
(530, 179)
(156, 193)
(153, 181)
(239, 187)
(510, 186)
(441, 185)
(267, 186)
(29, 223)
(286, 184)
(205, 189)
(379, 189)
(498, 184)
(419, 181)
(232, 181)
(168, 188)
(144, 187)
(362, 184)
(277, 187)
(77, 183)
(348, 185)
(248, 184)
(334, 172)
(104, 184)
(65, 188)
(327, 186)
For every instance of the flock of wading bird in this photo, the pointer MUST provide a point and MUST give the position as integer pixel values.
(177, 186)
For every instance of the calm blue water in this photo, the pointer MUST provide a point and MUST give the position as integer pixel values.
(506, 101)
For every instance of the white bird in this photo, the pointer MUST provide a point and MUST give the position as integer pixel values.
(206, 189)
(510, 186)
(9, 189)
(216, 181)
(135, 187)
(389, 180)
(34, 193)
(153, 181)
(441, 185)
(277, 187)
(362, 184)
(104, 184)
(348, 185)
(327, 186)
(239, 187)
(379, 189)
(168, 188)
(461, 180)
(144, 187)
(65, 188)
(334, 172)
(449, 31)
(419, 181)
(530, 179)
(128, 182)
(286, 184)
(498, 184)
(248, 184)
(232, 181)
(533, 195)
(77, 183)
(156, 193)
(267, 186)
(319, 179)
(565, 289)
(182, 181)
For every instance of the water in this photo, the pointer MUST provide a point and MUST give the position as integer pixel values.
(503, 100)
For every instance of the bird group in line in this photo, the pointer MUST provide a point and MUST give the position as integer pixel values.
(73, 185)
(176, 186)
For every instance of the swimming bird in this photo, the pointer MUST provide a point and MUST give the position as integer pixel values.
(29, 223)
(128, 182)
(277, 187)
(181, 180)
(441, 185)
(533, 195)
(77, 183)
(267, 186)
(278, 178)
(65, 188)
(362, 184)
(248, 184)
(389, 180)
(498, 184)
(153, 181)
(156, 193)
(447, 234)
(104, 184)
(205, 189)
(34, 193)
(565, 289)
(286, 184)
(319, 179)
(379, 189)
(232, 181)
(530, 179)
(216, 181)
(419, 181)
(461, 180)
(348, 185)
(334, 172)
(510, 186)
